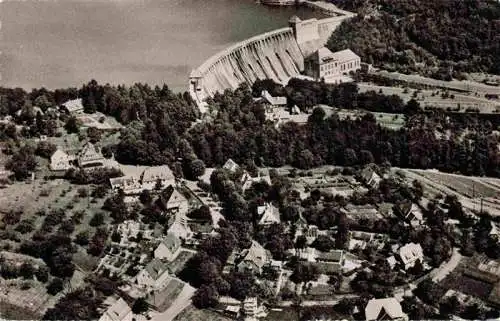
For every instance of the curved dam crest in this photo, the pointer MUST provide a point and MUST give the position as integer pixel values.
(277, 55)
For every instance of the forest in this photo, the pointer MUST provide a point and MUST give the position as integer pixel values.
(160, 128)
(406, 35)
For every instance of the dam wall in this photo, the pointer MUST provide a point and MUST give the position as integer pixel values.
(277, 55)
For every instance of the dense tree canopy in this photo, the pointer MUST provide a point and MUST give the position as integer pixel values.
(406, 35)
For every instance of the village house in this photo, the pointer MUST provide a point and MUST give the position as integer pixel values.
(171, 200)
(254, 258)
(90, 156)
(74, 106)
(410, 253)
(330, 66)
(247, 180)
(153, 276)
(231, 166)
(361, 239)
(272, 102)
(60, 161)
(232, 311)
(157, 176)
(384, 309)
(269, 214)
(180, 228)
(128, 184)
(410, 212)
(118, 311)
(252, 309)
(370, 177)
(168, 249)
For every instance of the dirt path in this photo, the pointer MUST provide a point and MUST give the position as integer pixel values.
(447, 267)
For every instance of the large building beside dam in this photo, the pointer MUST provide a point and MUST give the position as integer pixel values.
(277, 55)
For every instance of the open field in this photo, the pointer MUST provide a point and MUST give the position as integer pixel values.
(99, 120)
(470, 190)
(38, 198)
(433, 98)
(24, 303)
(470, 86)
(388, 120)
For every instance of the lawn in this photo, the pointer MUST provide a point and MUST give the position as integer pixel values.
(176, 265)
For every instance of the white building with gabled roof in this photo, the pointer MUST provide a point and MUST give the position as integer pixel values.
(74, 106)
(169, 248)
(410, 253)
(269, 214)
(118, 311)
(231, 166)
(157, 174)
(384, 309)
(271, 101)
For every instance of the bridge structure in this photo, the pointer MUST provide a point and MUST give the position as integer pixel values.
(278, 55)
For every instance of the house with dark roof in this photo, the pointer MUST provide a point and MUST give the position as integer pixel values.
(410, 212)
(254, 258)
(90, 156)
(153, 276)
(171, 200)
(370, 177)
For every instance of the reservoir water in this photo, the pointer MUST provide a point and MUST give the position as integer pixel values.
(63, 43)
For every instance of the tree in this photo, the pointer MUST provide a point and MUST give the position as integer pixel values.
(201, 213)
(145, 197)
(324, 243)
(116, 237)
(450, 306)
(22, 163)
(72, 125)
(55, 286)
(304, 272)
(196, 168)
(27, 270)
(206, 297)
(140, 306)
(97, 219)
(82, 238)
(301, 242)
(42, 274)
(45, 149)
